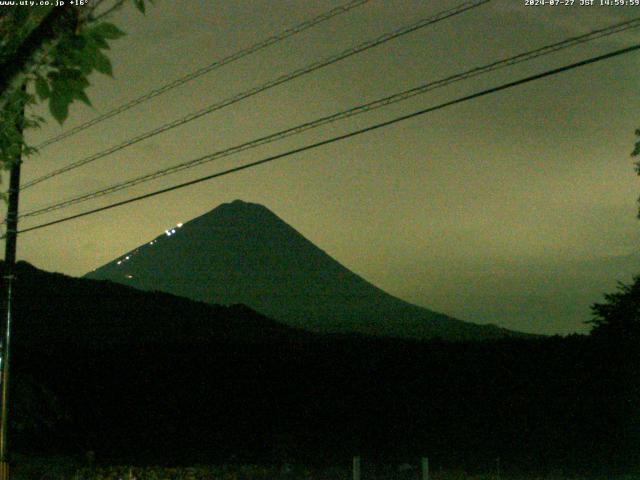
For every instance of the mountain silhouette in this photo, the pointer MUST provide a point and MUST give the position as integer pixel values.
(242, 253)
(53, 309)
(150, 377)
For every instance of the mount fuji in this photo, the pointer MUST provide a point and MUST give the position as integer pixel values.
(242, 253)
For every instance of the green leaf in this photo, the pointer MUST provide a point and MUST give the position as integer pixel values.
(108, 31)
(70, 74)
(80, 95)
(42, 88)
(87, 61)
(96, 41)
(103, 64)
(87, 65)
(61, 88)
(77, 42)
(59, 107)
(139, 5)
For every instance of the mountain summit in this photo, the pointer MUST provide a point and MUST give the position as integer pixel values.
(243, 253)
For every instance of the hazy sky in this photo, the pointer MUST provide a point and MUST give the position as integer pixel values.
(517, 208)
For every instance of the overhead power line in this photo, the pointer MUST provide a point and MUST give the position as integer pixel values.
(301, 27)
(345, 136)
(266, 86)
(367, 107)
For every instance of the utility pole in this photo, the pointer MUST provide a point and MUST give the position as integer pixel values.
(9, 277)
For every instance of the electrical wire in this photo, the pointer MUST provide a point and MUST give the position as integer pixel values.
(338, 138)
(367, 107)
(301, 27)
(266, 86)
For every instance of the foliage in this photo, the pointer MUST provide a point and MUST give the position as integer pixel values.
(60, 469)
(176, 473)
(619, 315)
(616, 335)
(635, 153)
(37, 410)
(53, 51)
(73, 58)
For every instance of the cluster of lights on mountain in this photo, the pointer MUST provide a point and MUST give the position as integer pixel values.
(168, 233)
(171, 231)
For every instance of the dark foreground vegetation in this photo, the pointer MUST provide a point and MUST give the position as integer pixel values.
(66, 469)
(148, 378)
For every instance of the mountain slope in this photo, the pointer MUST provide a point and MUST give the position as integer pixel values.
(52, 309)
(243, 253)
